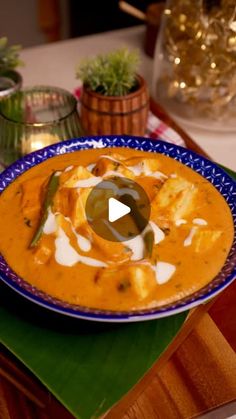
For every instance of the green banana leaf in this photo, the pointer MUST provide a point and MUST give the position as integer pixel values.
(229, 171)
(87, 366)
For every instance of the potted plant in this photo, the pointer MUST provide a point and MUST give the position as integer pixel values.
(10, 80)
(114, 98)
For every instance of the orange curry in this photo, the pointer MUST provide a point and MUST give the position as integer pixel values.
(47, 240)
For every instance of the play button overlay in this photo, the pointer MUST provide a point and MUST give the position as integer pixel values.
(117, 209)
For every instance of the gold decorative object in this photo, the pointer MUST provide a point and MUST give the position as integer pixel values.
(195, 74)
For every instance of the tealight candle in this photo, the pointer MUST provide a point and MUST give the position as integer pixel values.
(36, 141)
(34, 118)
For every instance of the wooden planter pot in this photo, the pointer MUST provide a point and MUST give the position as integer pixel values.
(115, 114)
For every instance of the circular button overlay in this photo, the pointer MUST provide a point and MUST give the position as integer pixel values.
(118, 209)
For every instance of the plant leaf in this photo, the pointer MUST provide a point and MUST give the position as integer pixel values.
(88, 366)
(112, 74)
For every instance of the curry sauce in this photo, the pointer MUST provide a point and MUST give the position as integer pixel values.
(190, 221)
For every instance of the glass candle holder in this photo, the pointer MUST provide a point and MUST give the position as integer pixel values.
(195, 63)
(34, 118)
(10, 82)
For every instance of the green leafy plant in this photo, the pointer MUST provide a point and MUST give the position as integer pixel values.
(9, 55)
(112, 74)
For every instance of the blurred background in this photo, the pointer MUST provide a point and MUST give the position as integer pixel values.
(34, 22)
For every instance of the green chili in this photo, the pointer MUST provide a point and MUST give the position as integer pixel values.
(51, 191)
(148, 238)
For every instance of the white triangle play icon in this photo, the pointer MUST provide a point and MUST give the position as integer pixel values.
(116, 210)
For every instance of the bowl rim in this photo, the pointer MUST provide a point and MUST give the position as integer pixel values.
(179, 153)
(17, 79)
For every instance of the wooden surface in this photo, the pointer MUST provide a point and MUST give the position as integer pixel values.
(223, 312)
(49, 19)
(196, 373)
(195, 379)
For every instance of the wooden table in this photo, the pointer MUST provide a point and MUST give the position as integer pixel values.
(197, 372)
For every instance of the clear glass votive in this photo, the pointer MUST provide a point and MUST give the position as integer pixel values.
(34, 118)
(10, 82)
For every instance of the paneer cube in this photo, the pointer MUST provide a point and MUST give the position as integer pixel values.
(71, 203)
(143, 166)
(62, 200)
(109, 165)
(70, 178)
(142, 280)
(61, 222)
(42, 254)
(77, 207)
(175, 199)
(138, 280)
(205, 239)
(150, 166)
(32, 194)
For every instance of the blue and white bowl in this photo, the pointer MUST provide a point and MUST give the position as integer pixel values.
(221, 180)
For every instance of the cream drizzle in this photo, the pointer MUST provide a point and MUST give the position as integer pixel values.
(90, 167)
(66, 255)
(89, 182)
(108, 184)
(163, 272)
(157, 175)
(139, 170)
(136, 245)
(112, 173)
(188, 240)
(103, 156)
(50, 225)
(136, 169)
(83, 243)
(200, 221)
(159, 235)
(67, 169)
(180, 221)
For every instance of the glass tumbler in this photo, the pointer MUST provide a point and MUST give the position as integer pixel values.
(34, 118)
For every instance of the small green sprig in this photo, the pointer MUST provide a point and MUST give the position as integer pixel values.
(9, 55)
(112, 74)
